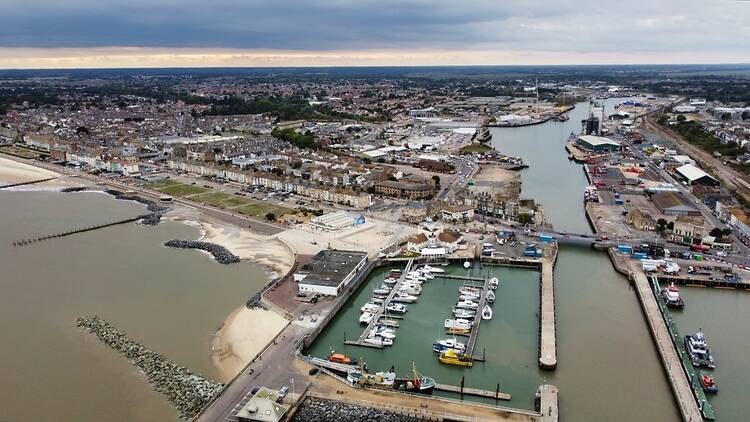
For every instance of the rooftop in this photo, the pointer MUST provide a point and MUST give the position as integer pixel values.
(329, 267)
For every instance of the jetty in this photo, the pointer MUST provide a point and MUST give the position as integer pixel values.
(548, 405)
(547, 335)
(670, 359)
(467, 391)
(25, 242)
(381, 312)
(474, 333)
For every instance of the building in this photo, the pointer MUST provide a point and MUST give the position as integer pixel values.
(262, 407)
(688, 228)
(336, 221)
(593, 143)
(329, 271)
(423, 113)
(674, 203)
(457, 213)
(404, 189)
(414, 212)
(640, 220)
(692, 175)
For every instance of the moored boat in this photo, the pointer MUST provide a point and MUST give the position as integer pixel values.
(379, 341)
(458, 331)
(418, 383)
(448, 343)
(369, 307)
(377, 380)
(382, 290)
(404, 297)
(672, 297)
(494, 283)
(486, 312)
(708, 383)
(698, 350)
(464, 313)
(490, 296)
(366, 318)
(451, 357)
(433, 269)
(340, 358)
(396, 308)
(467, 304)
(458, 323)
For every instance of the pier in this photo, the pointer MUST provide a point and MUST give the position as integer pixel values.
(548, 405)
(25, 242)
(497, 394)
(547, 335)
(671, 361)
(474, 333)
(380, 313)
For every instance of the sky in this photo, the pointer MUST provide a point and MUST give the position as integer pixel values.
(197, 33)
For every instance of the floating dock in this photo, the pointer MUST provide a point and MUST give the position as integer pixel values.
(497, 395)
(547, 336)
(380, 313)
(670, 359)
(474, 333)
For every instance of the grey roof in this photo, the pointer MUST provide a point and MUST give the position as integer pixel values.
(329, 267)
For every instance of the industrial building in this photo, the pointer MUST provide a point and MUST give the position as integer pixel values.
(692, 175)
(597, 144)
(674, 203)
(329, 271)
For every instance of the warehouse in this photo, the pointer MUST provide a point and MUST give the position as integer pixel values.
(674, 203)
(597, 144)
(692, 175)
(330, 271)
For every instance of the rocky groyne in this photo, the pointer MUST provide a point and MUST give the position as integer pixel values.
(156, 211)
(319, 410)
(188, 392)
(220, 253)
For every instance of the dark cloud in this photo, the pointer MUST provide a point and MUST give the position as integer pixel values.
(575, 26)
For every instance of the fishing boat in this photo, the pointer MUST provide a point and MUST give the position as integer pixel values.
(698, 350)
(448, 343)
(458, 323)
(451, 357)
(490, 296)
(404, 297)
(377, 380)
(366, 318)
(340, 358)
(418, 383)
(464, 313)
(382, 290)
(486, 312)
(708, 383)
(467, 304)
(672, 297)
(396, 308)
(369, 307)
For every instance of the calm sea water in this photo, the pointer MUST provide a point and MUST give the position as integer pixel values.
(170, 300)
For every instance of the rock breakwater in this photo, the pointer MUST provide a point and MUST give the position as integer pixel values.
(220, 253)
(318, 410)
(156, 211)
(187, 392)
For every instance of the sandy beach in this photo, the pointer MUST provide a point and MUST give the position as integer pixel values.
(12, 171)
(245, 333)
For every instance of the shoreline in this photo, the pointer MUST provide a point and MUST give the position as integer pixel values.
(14, 171)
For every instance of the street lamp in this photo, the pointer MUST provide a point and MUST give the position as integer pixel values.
(292, 381)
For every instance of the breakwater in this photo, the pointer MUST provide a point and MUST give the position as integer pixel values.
(156, 211)
(188, 392)
(25, 242)
(319, 410)
(220, 253)
(32, 182)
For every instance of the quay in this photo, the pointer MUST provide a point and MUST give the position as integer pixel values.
(497, 395)
(671, 361)
(548, 403)
(380, 313)
(547, 334)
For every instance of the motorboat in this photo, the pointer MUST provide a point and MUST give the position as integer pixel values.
(490, 296)
(366, 318)
(448, 343)
(369, 307)
(698, 350)
(467, 304)
(418, 383)
(469, 297)
(672, 297)
(419, 278)
(396, 308)
(458, 323)
(464, 313)
(340, 358)
(486, 312)
(377, 300)
(451, 357)
(383, 332)
(468, 290)
(458, 331)
(494, 283)
(379, 341)
(426, 275)
(708, 383)
(382, 290)
(404, 297)
(389, 280)
(433, 269)
(411, 290)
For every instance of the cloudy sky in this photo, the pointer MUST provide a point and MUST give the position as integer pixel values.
(152, 33)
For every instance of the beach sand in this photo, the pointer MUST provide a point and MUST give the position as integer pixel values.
(12, 171)
(245, 333)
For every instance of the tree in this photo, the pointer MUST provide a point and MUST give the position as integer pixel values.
(726, 232)
(681, 118)
(271, 216)
(725, 116)
(745, 115)
(436, 178)
(524, 218)
(716, 232)
(670, 225)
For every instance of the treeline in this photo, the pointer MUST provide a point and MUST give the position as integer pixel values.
(301, 140)
(285, 108)
(694, 133)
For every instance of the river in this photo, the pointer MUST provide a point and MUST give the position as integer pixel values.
(168, 299)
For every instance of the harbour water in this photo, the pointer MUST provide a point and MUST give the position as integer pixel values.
(169, 300)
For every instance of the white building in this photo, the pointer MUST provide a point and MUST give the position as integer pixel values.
(330, 271)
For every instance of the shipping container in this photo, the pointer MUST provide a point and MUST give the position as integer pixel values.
(625, 249)
(640, 255)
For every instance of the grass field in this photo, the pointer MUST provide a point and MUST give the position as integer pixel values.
(260, 210)
(20, 152)
(173, 188)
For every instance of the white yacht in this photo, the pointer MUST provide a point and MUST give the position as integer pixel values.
(379, 341)
(458, 323)
(467, 304)
(487, 312)
(494, 283)
(366, 318)
(467, 290)
(397, 308)
(464, 313)
(404, 297)
(471, 296)
(490, 296)
(432, 269)
(448, 343)
(369, 307)
(410, 290)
